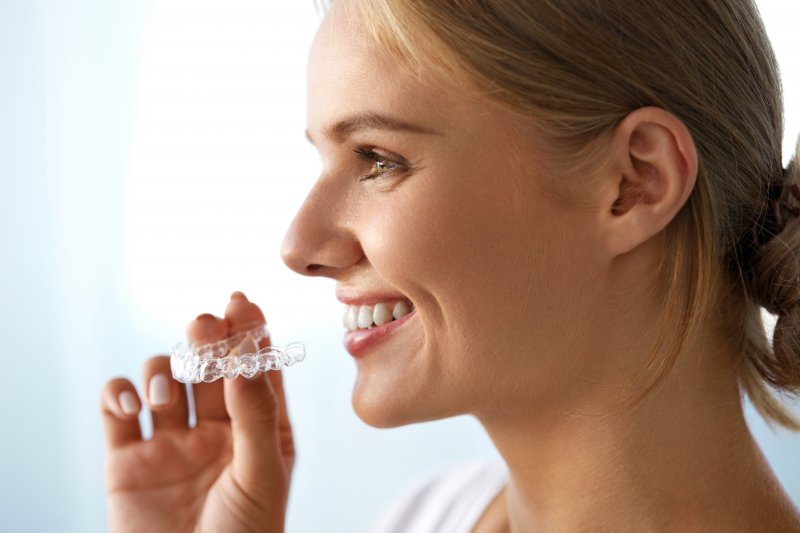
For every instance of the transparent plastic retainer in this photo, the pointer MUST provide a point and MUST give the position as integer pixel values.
(237, 355)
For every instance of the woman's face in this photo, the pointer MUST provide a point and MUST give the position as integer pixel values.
(499, 271)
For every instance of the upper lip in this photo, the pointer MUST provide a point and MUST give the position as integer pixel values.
(353, 297)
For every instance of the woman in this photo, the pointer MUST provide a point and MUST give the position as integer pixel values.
(583, 206)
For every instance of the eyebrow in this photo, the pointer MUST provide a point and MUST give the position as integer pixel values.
(342, 129)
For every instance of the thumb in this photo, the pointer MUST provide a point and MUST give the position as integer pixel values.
(253, 409)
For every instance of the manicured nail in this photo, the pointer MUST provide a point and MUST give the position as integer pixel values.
(159, 390)
(128, 403)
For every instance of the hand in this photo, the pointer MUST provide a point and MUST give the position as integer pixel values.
(230, 473)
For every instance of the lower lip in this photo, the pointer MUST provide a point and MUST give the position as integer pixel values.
(360, 341)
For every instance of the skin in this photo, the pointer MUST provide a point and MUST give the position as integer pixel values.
(231, 472)
(533, 314)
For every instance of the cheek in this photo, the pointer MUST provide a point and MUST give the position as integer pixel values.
(472, 261)
(495, 286)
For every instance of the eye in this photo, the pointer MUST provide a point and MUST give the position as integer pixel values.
(380, 164)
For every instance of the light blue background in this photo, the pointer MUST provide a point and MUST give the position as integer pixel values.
(151, 158)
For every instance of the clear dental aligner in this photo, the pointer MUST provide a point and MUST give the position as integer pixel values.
(223, 359)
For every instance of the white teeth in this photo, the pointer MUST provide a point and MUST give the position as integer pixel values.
(401, 309)
(365, 316)
(352, 317)
(381, 314)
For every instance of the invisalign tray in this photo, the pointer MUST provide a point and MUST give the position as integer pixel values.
(237, 355)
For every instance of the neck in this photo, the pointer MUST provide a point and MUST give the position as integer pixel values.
(680, 459)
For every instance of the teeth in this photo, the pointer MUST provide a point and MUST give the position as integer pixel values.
(346, 317)
(352, 317)
(382, 314)
(401, 309)
(365, 316)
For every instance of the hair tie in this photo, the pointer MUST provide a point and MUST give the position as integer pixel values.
(775, 220)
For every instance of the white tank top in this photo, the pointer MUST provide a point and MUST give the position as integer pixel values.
(451, 499)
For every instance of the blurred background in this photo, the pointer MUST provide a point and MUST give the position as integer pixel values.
(152, 156)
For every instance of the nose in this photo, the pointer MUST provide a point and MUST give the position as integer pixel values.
(319, 241)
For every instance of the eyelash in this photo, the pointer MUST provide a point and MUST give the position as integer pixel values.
(369, 154)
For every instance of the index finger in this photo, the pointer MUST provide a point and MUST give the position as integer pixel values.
(209, 400)
(242, 315)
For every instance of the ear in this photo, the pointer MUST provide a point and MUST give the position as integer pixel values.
(652, 171)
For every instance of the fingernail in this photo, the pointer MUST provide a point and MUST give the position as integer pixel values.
(128, 403)
(238, 295)
(159, 390)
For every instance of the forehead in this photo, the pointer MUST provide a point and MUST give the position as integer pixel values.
(349, 74)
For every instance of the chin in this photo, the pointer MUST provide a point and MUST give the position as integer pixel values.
(382, 408)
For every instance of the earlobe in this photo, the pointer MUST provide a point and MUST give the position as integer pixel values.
(653, 173)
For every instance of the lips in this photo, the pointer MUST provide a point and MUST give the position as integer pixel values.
(359, 342)
(368, 298)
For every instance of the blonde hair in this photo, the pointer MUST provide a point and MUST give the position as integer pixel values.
(577, 68)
